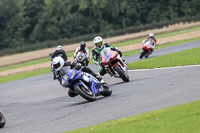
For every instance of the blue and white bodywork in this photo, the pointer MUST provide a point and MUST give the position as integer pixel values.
(84, 84)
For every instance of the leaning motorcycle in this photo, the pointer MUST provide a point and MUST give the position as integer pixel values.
(81, 58)
(2, 120)
(146, 49)
(114, 64)
(84, 84)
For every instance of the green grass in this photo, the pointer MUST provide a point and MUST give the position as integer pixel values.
(30, 63)
(177, 119)
(123, 43)
(24, 75)
(24, 64)
(158, 36)
(161, 46)
(186, 57)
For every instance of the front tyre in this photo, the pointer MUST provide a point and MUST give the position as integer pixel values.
(2, 120)
(144, 52)
(85, 93)
(121, 73)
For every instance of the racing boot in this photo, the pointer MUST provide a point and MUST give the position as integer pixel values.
(72, 93)
(98, 77)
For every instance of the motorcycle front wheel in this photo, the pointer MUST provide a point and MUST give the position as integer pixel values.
(85, 93)
(2, 120)
(143, 53)
(121, 73)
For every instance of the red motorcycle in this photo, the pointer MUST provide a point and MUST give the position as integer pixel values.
(146, 49)
(114, 64)
(2, 120)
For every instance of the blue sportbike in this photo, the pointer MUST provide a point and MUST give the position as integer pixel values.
(84, 84)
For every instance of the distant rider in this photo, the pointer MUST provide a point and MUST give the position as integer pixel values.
(99, 46)
(59, 52)
(83, 49)
(59, 63)
(149, 38)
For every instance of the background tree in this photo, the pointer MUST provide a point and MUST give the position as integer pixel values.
(29, 23)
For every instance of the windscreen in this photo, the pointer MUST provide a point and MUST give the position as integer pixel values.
(105, 52)
(65, 70)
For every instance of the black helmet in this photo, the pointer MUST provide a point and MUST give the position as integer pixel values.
(82, 45)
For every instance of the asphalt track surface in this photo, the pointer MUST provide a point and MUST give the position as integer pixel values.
(40, 105)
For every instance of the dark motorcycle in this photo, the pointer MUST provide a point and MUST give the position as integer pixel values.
(2, 120)
(81, 58)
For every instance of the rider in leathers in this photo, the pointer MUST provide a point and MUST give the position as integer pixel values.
(77, 66)
(99, 46)
(151, 36)
(83, 49)
(59, 52)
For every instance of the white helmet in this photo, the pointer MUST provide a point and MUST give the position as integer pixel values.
(151, 35)
(59, 47)
(58, 63)
(98, 40)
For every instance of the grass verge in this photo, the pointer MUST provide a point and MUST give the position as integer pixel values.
(123, 43)
(177, 119)
(161, 46)
(158, 36)
(24, 75)
(186, 57)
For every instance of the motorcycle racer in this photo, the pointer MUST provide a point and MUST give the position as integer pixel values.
(84, 49)
(99, 46)
(149, 38)
(59, 63)
(59, 52)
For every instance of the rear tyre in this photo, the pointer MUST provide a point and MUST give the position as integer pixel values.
(147, 56)
(85, 93)
(2, 120)
(121, 73)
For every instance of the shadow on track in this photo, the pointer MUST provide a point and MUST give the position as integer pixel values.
(85, 102)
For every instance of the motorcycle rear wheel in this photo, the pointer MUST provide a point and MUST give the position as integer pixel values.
(85, 93)
(2, 120)
(121, 73)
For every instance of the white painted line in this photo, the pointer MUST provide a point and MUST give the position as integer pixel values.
(166, 68)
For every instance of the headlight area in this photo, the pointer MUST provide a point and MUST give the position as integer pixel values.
(72, 75)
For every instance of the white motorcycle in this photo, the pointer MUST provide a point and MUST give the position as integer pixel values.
(82, 59)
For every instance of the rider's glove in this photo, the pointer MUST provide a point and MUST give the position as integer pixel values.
(100, 64)
(78, 66)
(113, 49)
(143, 41)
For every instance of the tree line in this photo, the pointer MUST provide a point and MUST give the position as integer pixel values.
(29, 23)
